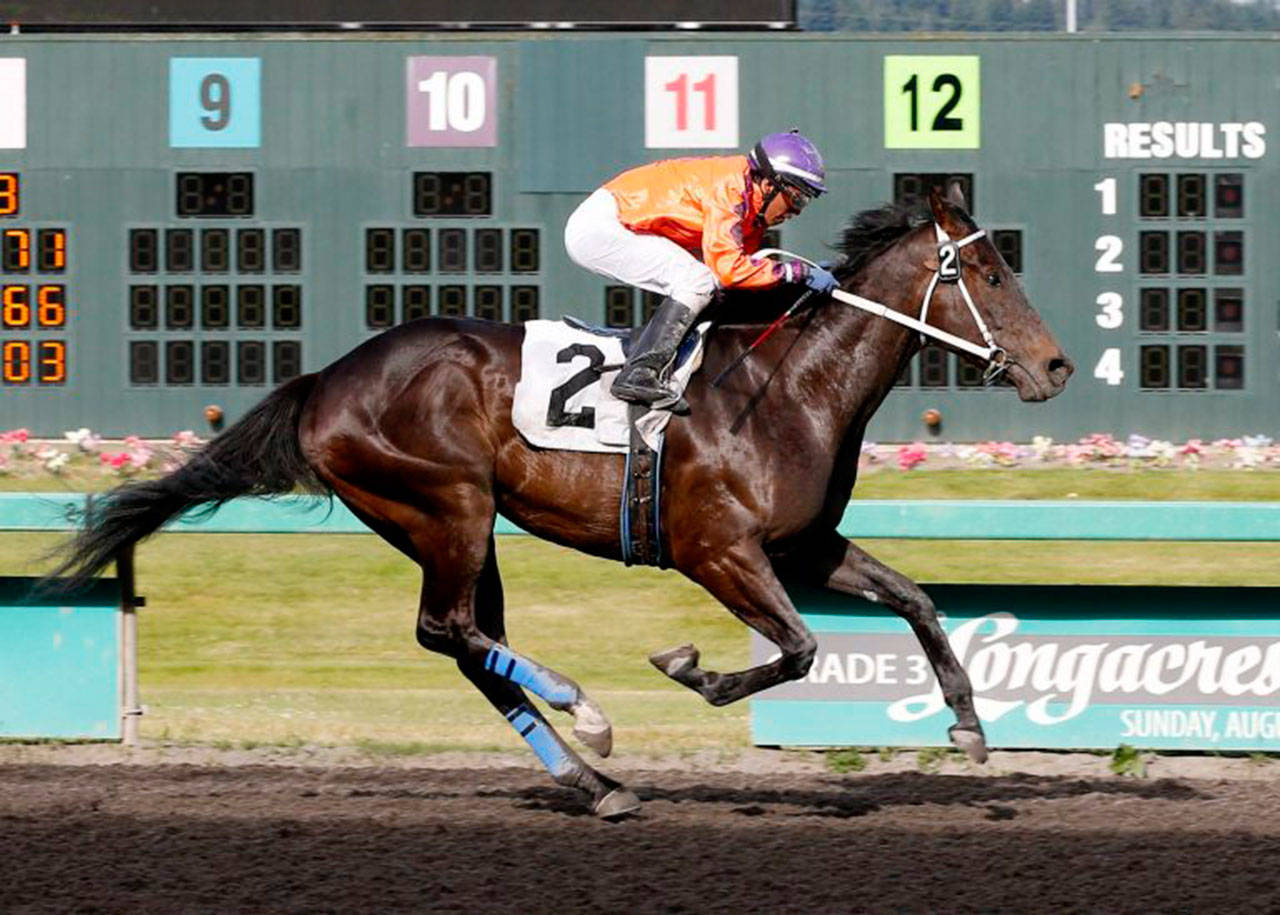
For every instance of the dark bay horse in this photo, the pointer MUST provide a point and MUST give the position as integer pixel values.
(412, 431)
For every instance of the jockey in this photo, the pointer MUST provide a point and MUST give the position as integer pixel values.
(685, 227)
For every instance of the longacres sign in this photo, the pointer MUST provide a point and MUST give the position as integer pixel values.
(1051, 667)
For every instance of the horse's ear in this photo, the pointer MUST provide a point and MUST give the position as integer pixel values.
(944, 209)
(955, 194)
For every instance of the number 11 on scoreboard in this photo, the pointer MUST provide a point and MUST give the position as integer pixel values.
(690, 102)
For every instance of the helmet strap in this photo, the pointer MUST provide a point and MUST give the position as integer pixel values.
(764, 168)
(763, 165)
(774, 191)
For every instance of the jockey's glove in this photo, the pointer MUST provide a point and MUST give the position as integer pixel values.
(819, 279)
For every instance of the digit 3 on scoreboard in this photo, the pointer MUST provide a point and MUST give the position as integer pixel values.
(33, 294)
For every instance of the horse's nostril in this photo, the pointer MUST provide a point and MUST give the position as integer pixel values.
(1060, 368)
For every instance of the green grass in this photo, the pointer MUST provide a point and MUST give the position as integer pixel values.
(292, 639)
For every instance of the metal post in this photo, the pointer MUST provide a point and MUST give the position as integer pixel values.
(1071, 15)
(130, 707)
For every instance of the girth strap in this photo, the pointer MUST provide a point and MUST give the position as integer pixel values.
(640, 509)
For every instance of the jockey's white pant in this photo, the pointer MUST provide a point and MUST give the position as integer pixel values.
(595, 239)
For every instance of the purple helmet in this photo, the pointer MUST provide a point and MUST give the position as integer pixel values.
(791, 159)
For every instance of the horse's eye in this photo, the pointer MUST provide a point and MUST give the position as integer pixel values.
(993, 279)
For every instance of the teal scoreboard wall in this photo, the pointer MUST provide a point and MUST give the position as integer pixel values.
(187, 220)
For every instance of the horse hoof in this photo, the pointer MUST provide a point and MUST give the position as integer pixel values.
(675, 662)
(592, 728)
(616, 804)
(972, 742)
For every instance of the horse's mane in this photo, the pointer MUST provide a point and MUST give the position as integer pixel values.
(868, 234)
(872, 231)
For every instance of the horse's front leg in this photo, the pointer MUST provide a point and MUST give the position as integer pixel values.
(742, 578)
(832, 561)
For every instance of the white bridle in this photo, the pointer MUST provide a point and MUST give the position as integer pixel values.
(948, 271)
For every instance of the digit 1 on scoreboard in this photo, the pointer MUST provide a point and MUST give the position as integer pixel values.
(1111, 316)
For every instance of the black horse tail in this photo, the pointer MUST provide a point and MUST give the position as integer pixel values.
(259, 455)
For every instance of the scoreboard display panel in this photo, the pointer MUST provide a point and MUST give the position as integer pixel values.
(189, 220)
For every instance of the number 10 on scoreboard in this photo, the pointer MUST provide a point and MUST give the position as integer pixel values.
(690, 102)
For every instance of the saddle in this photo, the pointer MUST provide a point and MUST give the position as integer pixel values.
(562, 401)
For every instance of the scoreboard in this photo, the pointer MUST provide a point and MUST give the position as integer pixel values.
(189, 220)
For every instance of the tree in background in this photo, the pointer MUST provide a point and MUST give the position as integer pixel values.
(1035, 15)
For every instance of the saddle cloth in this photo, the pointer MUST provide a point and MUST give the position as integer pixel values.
(562, 399)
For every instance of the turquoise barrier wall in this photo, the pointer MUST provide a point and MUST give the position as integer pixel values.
(60, 662)
(870, 519)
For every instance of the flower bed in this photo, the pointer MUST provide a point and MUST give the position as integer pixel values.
(82, 451)
(1251, 452)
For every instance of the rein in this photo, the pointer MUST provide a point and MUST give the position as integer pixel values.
(948, 271)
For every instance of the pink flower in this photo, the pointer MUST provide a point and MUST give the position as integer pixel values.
(15, 436)
(909, 456)
(114, 461)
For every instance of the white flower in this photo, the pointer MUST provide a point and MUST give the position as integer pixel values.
(83, 439)
(1247, 458)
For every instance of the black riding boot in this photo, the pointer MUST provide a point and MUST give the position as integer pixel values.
(640, 380)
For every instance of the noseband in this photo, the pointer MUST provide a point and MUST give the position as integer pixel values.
(949, 271)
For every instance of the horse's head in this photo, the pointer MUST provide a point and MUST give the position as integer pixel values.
(975, 296)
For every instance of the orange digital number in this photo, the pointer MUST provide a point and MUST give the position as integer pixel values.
(15, 356)
(9, 193)
(51, 306)
(15, 306)
(17, 249)
(53, 250)
(51, 367)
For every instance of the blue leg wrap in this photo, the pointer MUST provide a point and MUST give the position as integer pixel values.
(504, 662)
(537, 733)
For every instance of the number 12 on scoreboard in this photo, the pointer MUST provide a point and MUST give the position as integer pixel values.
(932, 102)
(690, 102)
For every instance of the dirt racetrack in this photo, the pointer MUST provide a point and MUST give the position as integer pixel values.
(107, 830)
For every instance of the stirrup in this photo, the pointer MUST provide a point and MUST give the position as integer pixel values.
(679, 408)
(641, 391)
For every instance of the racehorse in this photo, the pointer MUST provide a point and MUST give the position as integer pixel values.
(412, 430)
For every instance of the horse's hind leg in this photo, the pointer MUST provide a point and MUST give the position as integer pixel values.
(456, 557)
(742, 579)
(834, 562)
(608, 798)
